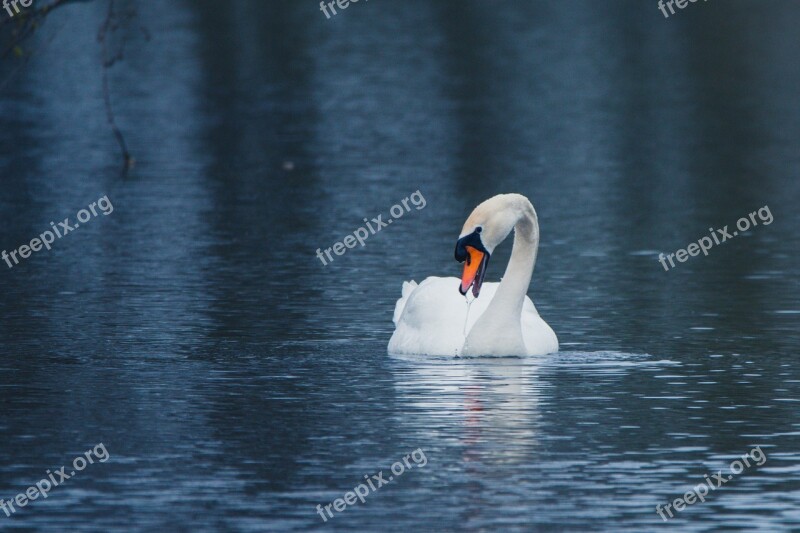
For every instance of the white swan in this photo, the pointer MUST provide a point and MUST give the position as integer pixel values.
(432, 318)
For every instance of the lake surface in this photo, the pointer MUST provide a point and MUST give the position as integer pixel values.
(237, 383)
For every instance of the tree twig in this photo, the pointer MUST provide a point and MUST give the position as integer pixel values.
(108, 62)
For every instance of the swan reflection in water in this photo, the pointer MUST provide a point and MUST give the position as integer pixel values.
(487, 406)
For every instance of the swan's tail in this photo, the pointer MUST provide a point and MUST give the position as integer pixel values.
(408, 288)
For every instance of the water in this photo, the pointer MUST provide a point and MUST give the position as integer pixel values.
(237, 383)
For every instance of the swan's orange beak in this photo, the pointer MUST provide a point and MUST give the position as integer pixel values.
(474, 271)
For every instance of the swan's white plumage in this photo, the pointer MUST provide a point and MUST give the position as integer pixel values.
(432, 318)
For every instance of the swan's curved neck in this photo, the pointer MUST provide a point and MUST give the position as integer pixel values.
(499, 328)
(514, 286)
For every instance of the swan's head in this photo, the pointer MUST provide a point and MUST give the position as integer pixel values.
(487, 226)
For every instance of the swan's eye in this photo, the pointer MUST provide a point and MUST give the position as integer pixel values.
(478, 229)
(471, 240)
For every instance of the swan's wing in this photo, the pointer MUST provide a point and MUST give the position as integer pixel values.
(539, 337)
(429, 318)
(408, 288)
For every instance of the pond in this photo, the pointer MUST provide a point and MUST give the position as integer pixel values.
(238, 383)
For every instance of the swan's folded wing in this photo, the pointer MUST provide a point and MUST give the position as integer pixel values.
(537, 334)
(429, 318)
(408, 288)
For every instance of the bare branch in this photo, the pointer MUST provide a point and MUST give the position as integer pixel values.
(111, 23)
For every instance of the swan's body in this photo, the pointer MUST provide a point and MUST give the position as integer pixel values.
(432, 318)
(437, 317)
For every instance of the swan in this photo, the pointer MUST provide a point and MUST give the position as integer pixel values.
(435, 317)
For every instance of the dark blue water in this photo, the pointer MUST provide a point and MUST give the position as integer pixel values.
(237, 383)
